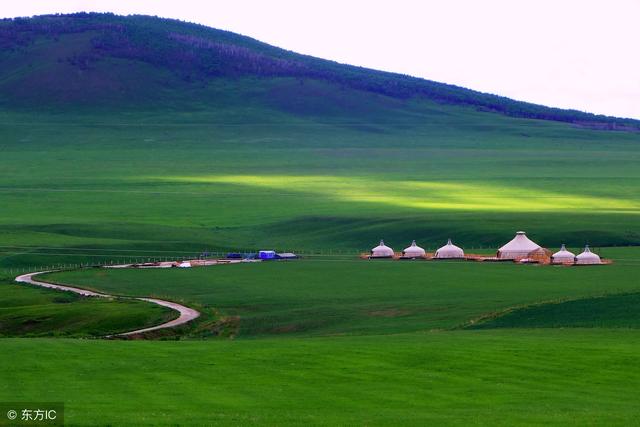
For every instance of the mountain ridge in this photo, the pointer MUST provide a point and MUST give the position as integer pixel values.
(136, 57)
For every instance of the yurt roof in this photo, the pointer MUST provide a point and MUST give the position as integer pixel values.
(449, 251)
(449, 247)
(520, 243)
(563, 252)
(587, 255)
(414, 248)
(382, 247)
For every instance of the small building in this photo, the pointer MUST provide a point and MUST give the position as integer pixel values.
(287, 255)
(449, 251)
(267, 254)
(587, 257)
(414, 251)
(382, 251)
(521, 247)
(563, 256)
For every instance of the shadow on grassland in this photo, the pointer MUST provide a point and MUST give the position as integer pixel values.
(607, 311)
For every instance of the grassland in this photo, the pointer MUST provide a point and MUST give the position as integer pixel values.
(128, 161)
(31, 312)
(336, 342)
(327, 297)
(503, 377)
(619, 311)
(120, 185)
(116, 186)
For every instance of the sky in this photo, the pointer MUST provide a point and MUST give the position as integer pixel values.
(561, 53)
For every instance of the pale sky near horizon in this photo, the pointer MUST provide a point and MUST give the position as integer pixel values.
(562, 53)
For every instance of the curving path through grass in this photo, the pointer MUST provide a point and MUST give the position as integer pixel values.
(186, 314)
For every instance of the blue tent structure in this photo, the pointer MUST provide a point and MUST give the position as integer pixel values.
(267, 255)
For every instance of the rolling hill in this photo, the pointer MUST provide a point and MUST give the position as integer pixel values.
(105, 59)
(135, 137)
(132, 138)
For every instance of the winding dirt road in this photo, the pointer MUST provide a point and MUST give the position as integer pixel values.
(186, 314)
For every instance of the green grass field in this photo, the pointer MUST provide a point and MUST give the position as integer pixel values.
(329, 297)
(85, 187)
(31, 312)
(352, 342)
(323, 342)
(619, 311)
(497, 377)
(112, 158)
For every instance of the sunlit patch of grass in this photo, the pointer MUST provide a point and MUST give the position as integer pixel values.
(427, 195)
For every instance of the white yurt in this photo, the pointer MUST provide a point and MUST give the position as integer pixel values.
(519, 247)
(381, 251)
(449, 251)
(587, 257)
(563, 256)
(414, 251)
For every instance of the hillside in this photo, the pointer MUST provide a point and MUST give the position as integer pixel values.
(94, 60)
(132, 139)
(129, 138)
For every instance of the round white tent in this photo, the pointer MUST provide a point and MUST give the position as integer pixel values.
(563, 256)
(381, 251)
(519, 247)
(587, 257)
(414, 251)
(449, 251)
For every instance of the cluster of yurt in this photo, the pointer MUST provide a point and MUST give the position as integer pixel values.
(519, 249)
(523, 249)
(563, 256)
(413, 251)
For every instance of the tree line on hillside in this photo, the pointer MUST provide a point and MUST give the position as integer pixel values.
(197, 52)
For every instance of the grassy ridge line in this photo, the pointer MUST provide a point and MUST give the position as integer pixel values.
(485, 320)
(607, 310)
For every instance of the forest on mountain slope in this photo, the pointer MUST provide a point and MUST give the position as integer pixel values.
(46, 49)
